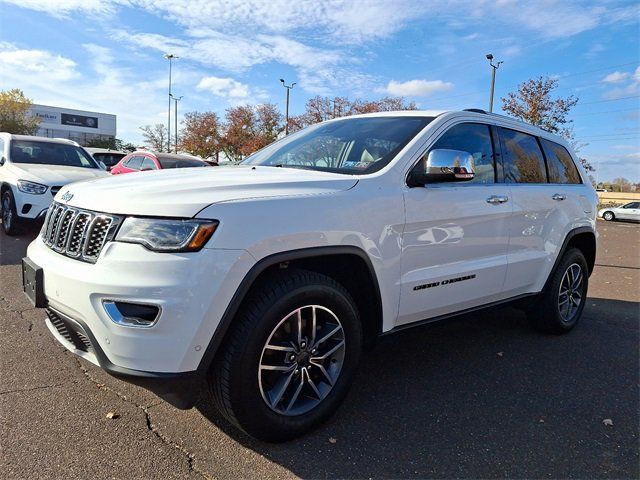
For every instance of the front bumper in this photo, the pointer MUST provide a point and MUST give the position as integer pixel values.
(32, 206)
(192, 290)
(179, 389)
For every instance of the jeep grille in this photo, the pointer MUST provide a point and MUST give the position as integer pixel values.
(78, 233)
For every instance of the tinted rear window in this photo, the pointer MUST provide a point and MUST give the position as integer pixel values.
(560, 164)
(172, 162)
(522, 158)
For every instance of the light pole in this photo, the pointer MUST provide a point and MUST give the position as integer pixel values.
(170, 57)
(493, 78)
(286, 110)
(175, 126)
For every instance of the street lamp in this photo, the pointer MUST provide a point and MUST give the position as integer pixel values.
(493, 78)
(175, 137)
(286, 111)
(170, 57)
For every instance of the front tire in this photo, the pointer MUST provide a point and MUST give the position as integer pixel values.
(11, 223)
(609, 216)
(290, 357)
(560, 306)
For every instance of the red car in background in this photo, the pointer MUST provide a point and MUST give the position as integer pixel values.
(144, 160)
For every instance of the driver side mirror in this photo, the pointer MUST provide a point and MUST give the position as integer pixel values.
(102, 165)
(2, 160)
(443, 165)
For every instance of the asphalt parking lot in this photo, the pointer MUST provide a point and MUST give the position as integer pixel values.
(481, 396)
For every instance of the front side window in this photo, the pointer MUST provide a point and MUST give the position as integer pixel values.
(50, 153)
(474, 138)
(632, 205)
(134, 163)
(354, 146)
(560, 164)
(179, 162)
(522, 158)
(147, 164)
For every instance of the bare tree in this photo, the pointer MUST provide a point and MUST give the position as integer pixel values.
(155, 136)
(14, 113)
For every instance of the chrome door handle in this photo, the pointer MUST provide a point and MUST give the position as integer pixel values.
(558, 196)
(497, 199)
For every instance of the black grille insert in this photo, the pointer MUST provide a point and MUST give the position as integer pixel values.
(71, 331)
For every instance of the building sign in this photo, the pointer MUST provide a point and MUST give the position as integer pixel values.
(47, 117)
(79, 120)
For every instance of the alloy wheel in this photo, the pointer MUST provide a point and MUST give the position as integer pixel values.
(571, 291)
(301, 360)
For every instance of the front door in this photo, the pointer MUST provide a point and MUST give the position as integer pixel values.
(454, 246)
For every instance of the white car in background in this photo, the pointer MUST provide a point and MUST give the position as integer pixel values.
(33, 170)
(630, 211)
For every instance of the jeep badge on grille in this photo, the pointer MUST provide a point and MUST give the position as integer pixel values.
(67, 196)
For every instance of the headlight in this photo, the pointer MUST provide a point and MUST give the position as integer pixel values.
(161, 235)
(31, 187)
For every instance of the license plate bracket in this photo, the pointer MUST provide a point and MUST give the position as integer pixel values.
(33, 283)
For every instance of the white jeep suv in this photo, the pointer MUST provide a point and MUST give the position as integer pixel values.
(266, 280)
(33, 170)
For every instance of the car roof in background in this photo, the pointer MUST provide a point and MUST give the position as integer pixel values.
(104, 150)
(33, 138)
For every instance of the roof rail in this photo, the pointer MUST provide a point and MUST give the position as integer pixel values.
(476, 110)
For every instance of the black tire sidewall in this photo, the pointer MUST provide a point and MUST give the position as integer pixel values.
(251, 411)
(14, 217)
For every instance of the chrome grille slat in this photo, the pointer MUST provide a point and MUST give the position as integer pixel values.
(77, 233)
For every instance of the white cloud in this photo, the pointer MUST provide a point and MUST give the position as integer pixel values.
(16, 61)
(417, 88)
(616, 77)
(224, 87)
(62, 8)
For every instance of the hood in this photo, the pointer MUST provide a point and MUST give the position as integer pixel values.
(54, 175)
(184, 192)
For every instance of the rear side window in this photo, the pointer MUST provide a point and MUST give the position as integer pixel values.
(134, 163)
(522, 158)
(560, 164)
(474, 138)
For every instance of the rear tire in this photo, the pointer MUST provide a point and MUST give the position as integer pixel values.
(608, 216)
(11, 223)
(560, 306)
(275, 328)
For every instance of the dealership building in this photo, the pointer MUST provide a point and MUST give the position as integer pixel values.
(76, 125)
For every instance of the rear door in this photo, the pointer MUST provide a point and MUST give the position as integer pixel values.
(542, 211)
(454, 246)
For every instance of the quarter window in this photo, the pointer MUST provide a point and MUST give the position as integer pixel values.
(474, 138)
(522, 158)
(560, 164)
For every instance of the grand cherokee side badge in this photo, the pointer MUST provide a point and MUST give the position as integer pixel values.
(67, 196)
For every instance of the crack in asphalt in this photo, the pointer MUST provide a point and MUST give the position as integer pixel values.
(150, 426)
(30, 389)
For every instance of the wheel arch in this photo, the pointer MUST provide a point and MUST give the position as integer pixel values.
(582, 238)
(348, 265)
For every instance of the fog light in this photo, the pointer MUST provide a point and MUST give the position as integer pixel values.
(131, 314)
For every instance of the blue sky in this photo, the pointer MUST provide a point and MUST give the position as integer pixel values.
(106, 55)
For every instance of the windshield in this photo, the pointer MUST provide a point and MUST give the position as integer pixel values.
(353, 146)
(50, 153)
